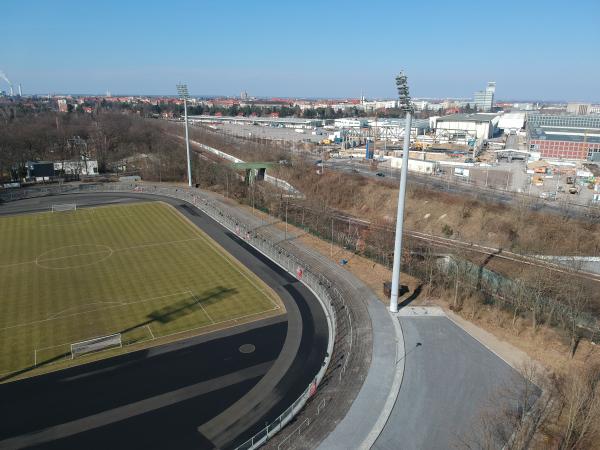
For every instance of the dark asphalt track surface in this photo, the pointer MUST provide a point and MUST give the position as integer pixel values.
(160, 397)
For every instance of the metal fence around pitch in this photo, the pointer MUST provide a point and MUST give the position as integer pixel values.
(339, 316)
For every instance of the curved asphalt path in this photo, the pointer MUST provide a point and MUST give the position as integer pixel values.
(198, 393)
(451, 382)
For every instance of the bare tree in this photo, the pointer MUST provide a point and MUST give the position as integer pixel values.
(512, 416)
(578, 412)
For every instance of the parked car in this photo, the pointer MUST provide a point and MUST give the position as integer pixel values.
(548, 195)
(380, 174)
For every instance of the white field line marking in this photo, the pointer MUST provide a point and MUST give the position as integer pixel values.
(35, 350)
(56, 315)
(58, 258)
(6, 266)
(117, 304)
(235, 320)
(150, 330)
(66, 357)
(73, 222)
(202, 306)
(231, 319)
(155, 244)
(35, 322)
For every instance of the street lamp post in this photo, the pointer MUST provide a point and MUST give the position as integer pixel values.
(182, 90)
(406, 105)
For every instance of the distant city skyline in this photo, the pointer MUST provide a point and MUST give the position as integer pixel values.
(306, 98)
(535, 51)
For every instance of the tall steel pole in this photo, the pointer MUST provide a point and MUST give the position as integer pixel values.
(187, 144)
(182, 90)
(405, 103)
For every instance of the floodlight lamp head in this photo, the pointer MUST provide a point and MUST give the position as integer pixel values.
(182, 90)
(403, 92)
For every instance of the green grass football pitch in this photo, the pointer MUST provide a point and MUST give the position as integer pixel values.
(141, 269)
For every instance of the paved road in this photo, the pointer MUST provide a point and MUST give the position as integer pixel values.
(159, 398)
(449, 379)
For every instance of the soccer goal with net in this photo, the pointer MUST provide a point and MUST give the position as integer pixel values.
(95, 344)
(64, 207)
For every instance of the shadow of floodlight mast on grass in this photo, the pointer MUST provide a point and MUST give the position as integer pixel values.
(163, 315)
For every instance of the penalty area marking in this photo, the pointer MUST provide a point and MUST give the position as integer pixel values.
(151, 333)
(202, 306)
(234, 322)
(232, 319)
(114, 304)
(58, 314)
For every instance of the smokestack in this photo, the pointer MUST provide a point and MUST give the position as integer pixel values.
(20, 91)
(4, 77)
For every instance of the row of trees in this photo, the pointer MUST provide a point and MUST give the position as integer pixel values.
(260, 110)
(109, 137)
(13, 109)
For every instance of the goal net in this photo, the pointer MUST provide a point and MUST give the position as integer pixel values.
(95, 345)
(64, 207)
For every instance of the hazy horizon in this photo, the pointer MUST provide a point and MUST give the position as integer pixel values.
(268, 97)
(533, 50)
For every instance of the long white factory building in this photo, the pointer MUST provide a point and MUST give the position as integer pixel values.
(467, 127)
(286, 122)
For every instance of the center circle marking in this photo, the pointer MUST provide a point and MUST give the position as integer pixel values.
(67, 257)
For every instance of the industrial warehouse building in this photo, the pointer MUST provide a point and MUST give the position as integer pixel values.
(286, 122)
(575, 137)
(511, 122)
(465, 127)
(382, 129)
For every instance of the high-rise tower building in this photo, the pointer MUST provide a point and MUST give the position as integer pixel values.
(484, 100)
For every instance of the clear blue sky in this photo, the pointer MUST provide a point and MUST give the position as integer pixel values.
(532, 49)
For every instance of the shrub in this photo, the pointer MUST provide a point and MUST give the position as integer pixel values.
(447, 230)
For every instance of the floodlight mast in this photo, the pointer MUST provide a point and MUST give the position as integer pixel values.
(182, 90)
(406, 105)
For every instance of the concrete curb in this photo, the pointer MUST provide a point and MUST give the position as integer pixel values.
(371, 409)
(384, 416)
